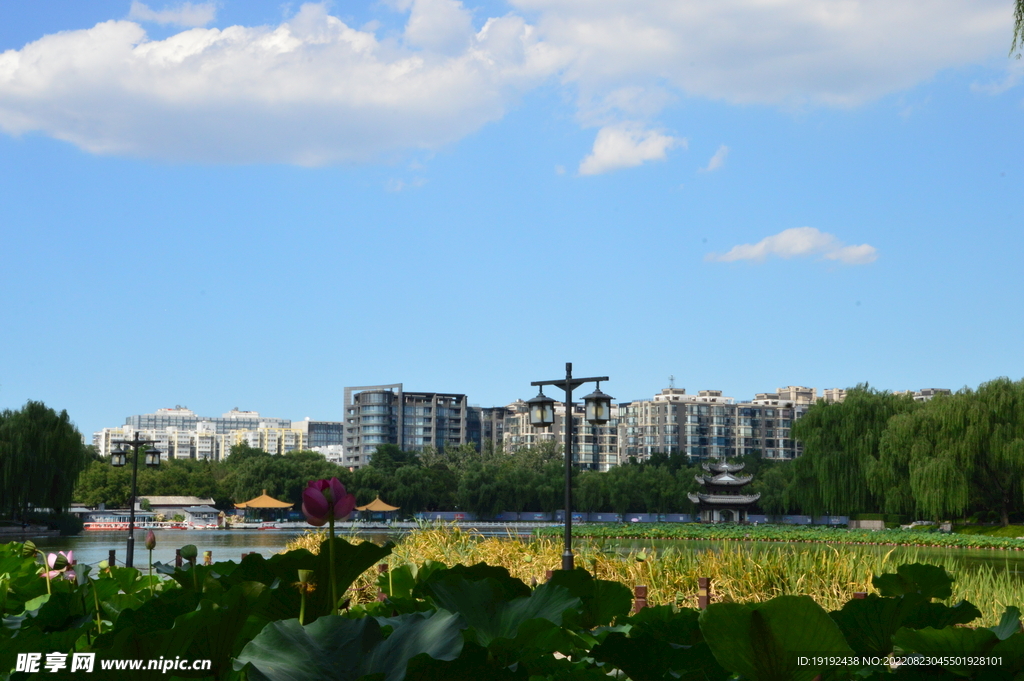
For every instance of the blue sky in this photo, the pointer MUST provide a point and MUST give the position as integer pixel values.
(255, 204)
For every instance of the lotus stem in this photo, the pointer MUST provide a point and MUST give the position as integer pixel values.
(334, 581)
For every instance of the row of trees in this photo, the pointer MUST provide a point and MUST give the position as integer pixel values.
(456, 478)
(951, 457)
(41, 456)
(875, 452)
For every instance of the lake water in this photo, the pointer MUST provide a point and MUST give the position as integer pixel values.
(92, 547)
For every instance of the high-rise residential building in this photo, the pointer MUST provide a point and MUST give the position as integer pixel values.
(387, 414)
(832, 395)
(203, 442)
(185, 419)
(485, 424)
(925, 394)
(595, 447)
(180, 433)
(321, 433)
(269, 439)
(171, 442)
(327, 438)
(709, 425)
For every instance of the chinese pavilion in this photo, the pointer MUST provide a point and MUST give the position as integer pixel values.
(722, 501)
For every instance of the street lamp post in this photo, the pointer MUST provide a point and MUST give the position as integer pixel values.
(117, 458)
(542, 414)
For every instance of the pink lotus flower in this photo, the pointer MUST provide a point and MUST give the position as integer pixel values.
(325, 500)
(59, 563)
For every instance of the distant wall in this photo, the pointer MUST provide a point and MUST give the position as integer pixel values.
(581, 517)
(867, 524)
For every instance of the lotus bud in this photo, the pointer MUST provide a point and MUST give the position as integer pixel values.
(189, 552)
(150, 540)
(325, 500)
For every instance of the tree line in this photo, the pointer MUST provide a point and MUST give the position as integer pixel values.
(454, 478)
(959, 456)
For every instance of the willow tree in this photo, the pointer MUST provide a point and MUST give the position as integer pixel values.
(841, 442)
(967, 451)
(911, 437)
(41, 455)
(1018, 29)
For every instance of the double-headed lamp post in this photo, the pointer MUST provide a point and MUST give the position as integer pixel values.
(118, 458)
(542, 415)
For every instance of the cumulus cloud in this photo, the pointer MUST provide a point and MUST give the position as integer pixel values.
(831, 52)
(626, 145)
(314, 90)
(716, 161)
(186, 14)
(310, 91)
(800, 242)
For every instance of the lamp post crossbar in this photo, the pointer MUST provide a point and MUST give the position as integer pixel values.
(568, 384)
(135, 444)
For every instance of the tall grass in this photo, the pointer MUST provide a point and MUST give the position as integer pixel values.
(830, 574)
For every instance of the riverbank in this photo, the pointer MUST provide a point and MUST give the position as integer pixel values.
(788, 533)
(19, 532)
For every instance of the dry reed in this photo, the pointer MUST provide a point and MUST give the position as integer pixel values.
(830, 574)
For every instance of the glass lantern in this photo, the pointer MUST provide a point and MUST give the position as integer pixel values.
(152, 457)
(118, 458)
(542, 410)
(598, 407)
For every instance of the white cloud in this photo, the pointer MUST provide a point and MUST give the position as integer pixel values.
(186, 14)
(800, 242)
(396, 185)
(831, 52)
(716, 161)
(440, 25)
(311, 91)
(626, 145)
(314, 90)
(1014, 74)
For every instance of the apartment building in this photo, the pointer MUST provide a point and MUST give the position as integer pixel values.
(595, 447)
(171, 442)
(925, 394)
(485, 424)
(320, 433)
(179, 433)
(184, 419)
(203, 442)
(711, 425)
(387, 414)
(269, 439)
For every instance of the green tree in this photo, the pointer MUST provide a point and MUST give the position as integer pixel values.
(389, 458)
(478, 490)
(771, 482)
(41, 457)
(961, 450)
(841, 450)
(593, 495)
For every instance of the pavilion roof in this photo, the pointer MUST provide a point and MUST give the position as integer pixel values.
(724, 479)
(264, 501)
(377, 506)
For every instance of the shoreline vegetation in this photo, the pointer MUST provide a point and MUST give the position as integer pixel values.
(471, 617)
(790, 533)
(829, 574)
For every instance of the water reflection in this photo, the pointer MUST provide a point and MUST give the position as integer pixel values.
(92, 547)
